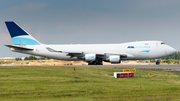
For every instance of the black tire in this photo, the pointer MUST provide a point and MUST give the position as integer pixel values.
(157, 62)
(95, 63)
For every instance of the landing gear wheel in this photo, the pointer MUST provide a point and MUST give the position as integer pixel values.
(157, 62)
(95, 63)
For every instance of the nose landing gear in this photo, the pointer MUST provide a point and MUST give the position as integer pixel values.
(158, 62)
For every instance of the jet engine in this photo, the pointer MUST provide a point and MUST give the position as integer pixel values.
(115, 59)
(90, 57)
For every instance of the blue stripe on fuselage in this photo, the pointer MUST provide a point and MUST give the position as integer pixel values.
(146, 51)
(24, 41)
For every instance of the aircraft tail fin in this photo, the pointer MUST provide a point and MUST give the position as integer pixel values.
(20, 36)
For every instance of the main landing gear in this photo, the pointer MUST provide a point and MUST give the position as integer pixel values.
(95, 63)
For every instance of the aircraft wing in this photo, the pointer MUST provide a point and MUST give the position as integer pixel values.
(81, 54)
(72, 54)
(19, 47)
(52, 50)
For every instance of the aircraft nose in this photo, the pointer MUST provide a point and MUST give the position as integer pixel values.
(170, 50)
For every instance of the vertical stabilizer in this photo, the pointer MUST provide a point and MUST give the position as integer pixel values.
(20, 36)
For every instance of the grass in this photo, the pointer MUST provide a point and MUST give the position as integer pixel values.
(88, 84)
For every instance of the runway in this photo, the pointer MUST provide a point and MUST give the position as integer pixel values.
(161, 67)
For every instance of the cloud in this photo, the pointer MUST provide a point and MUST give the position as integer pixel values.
(77, 21)
(35, 6)
(26, 7)
(26, 27)
(5, 38)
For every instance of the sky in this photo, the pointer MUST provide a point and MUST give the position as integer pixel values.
(91, 21)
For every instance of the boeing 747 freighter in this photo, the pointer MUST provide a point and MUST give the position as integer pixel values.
(94, 54)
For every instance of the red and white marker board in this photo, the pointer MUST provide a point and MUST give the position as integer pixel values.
(131, 75)
(123, 74)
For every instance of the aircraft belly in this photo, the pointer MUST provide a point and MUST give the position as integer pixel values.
(53, 55)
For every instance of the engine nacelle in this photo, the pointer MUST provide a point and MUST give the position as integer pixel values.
(115, 59)
(90, 57)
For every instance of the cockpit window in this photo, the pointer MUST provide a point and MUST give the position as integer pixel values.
(162, 43)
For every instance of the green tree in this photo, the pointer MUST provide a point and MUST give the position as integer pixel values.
(32, 57)
(26, 58)
(169, 61)
(41, 58)
(152, 60)
(173, 56)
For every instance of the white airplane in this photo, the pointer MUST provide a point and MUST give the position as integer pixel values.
(94, 54)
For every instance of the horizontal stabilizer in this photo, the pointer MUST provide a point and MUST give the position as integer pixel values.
(18, 47)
